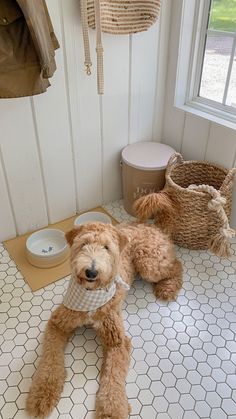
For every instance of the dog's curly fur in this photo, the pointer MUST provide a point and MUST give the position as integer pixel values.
(128, 250)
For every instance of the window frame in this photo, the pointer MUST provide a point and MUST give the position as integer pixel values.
(194, 21)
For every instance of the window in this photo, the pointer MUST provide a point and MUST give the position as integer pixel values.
(218, 76)
(206, 73)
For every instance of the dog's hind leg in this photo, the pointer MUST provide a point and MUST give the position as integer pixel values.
(154, 260)
(166, 282)
(168, 288)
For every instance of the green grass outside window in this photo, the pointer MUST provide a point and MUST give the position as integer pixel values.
(223, 15)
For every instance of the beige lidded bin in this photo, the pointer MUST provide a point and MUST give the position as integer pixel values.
(143, 170)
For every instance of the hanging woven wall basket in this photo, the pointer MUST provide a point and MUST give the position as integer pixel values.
(122, 17)
(194, 206)
(117, 17)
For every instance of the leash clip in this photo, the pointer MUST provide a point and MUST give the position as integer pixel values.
(88, 69)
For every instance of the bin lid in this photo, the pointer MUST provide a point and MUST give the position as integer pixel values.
(147, 155)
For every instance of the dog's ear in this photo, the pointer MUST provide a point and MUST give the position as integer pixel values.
(119, 236)
(123, 239)
(70, 235)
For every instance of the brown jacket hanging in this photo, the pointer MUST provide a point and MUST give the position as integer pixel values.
(27, 48)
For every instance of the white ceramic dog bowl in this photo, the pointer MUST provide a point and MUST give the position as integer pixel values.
(92, 216)
(47, 248)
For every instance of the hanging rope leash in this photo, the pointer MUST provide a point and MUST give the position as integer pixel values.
(99, 47)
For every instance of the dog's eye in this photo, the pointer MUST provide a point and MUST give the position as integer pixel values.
(106, 247)
(83, 244)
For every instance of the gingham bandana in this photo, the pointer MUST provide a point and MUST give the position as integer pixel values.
(79, 298)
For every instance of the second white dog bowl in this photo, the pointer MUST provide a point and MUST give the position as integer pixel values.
(47, 248)
(92, 216)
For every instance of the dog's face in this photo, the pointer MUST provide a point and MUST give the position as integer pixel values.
(95, 253)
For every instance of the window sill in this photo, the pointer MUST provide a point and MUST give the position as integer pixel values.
(207, 112)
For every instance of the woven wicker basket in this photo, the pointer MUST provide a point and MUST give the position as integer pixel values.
(198, 196)
(124, 17)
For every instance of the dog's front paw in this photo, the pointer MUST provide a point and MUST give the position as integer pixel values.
(109, 410)
(43, 396)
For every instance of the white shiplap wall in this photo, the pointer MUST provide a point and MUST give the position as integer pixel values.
(195, 137)
(60, 151)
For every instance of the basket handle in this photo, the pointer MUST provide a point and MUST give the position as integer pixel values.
(175, 159)
(228, 180)
(219, 244)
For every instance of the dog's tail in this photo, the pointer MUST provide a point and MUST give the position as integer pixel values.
(158, 206)
(150, 205)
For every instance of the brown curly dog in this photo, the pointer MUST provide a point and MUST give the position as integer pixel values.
(104, 261)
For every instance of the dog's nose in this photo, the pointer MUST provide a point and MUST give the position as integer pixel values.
(91, 273)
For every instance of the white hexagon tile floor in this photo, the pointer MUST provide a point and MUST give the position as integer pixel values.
(184, 352)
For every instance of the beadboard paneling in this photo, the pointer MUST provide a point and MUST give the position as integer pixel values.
(221, 146)
(143, 78)
(22, 166)
(161, 69)
(6, 214)
(114, 112)
(173, 121)
(84, 109)
(195, 137)
(54, 137)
